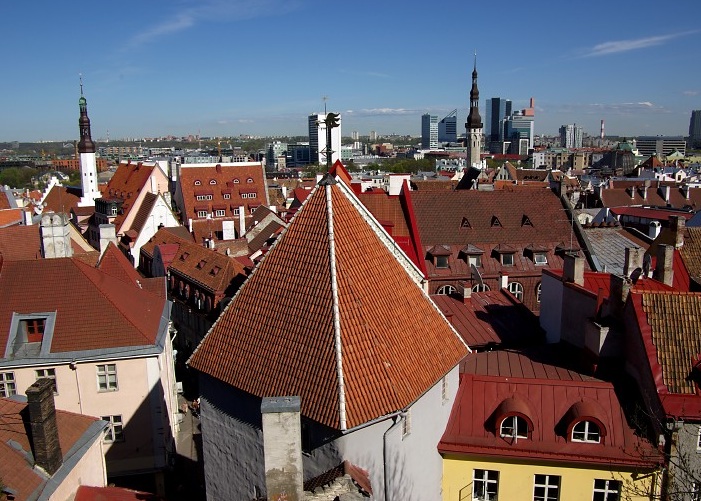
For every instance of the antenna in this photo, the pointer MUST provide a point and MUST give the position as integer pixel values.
(325, 98)
(80, 77)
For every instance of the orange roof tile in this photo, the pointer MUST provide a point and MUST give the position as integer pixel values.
(281, 326)
(62, 198)
(20, 242)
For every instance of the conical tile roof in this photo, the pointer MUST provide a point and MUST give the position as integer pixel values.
(333, 314)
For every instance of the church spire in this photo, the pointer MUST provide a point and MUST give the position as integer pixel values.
(86, 144)
(474, 121)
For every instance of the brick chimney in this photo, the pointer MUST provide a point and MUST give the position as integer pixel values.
(620, 288)
(573, 270)
(678, 225)
(42, 423)
(633, 260)
(282, 443)
(664, 271)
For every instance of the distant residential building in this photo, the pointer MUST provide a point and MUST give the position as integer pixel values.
(497, 109)
(695, 129)
(373, 136)
(354, 135)
(276, 149)
(429, 131)
(660, 145)
(448, 128)
(571, 136)
(317, 139)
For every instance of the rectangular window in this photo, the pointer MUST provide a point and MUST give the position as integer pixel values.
(34, 327)
(227, 196)
(475, 260)
(485, 485)
(201, 213)
(48, 374)
(236, 212)
(7, 384)
(607, 490)
(540, 258)
(219, 213)
(115, 430)
(441, 261)
(507, 259)
(546, 488)
(698, 440)
(200, 198)
(107, 377)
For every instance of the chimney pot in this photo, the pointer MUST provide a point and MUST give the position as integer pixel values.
(664, 271)
(42, 422)
(678, 225)
(573, 270)
(633, 260)
(282, 444)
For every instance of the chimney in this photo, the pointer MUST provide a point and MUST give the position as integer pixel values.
(42, 423)
(633, 260)
(620, 288)
(242, 221)
(678, 225)
(282, 444)
(664, 271)
(466, 293)
(653, 229)
(631, 192)
(154, 186)
(685, 191)
(107, 234)
(664, 192)
(55, 235)
(573, 270)
(644, 189)
(503, 280)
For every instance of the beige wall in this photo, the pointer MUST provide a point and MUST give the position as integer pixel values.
(90, 471)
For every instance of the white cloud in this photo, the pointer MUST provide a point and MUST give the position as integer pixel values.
(618, 46)
(691, 93)
(373, 112)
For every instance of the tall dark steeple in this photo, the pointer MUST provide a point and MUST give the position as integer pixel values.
(86, 144)
(473, 125)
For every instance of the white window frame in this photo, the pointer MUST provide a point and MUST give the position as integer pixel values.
(538, 291)
(485, 485)
(115, 431)
(48, 373)
(480, 288)
(8, 385)
(445, 290)
(550, 484)
(510, 260)
(513, 426)
(107, 377)
(444, 388)
(474, 259)
(516, 289)
(220, 213)
(227, 196)
(201, 213)
(587, 434)
(236, 211)
(540, 258)
(698, 440)
(606, 490)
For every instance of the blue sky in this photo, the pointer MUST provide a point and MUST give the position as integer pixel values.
(230, 67)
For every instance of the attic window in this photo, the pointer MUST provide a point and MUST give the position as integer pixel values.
(586, 431)
(525, 221)
(249, 180)
(227, 196)
(34, 329)
(465, 224)
(201, 264)
(214, 271)
(507, 259)
(514, 427)
(236, 180)
(212, 181)
(495, 222)
(184, 256)
(198, 182)
(540, 258)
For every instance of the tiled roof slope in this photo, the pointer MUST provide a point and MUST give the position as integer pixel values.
(545, 393)
(62, 199)
(16, 471)
(115, 264)
(277, 336)
(20, 242)
(126, 184)
(673, 323)
(209, 268)
(100, 312)
(691, 252)
(144, 212)
(439, 217)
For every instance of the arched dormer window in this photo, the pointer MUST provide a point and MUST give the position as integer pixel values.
(212, 181)
(198, 182)
(249, 180)
(584, 422)
(236, 180)
(512, 420)
(445, 290)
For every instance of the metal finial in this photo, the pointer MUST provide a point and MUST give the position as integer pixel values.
(325, 98)
(475, 66)
(80, 76)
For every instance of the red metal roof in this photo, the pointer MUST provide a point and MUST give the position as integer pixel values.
(548, 393)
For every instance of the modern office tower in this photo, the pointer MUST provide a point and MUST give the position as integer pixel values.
(473, 126)
(275, 150)
(429, 131)
(497, 109)
(518, 130)
(571, 136)
(695, 129)
(448, 128)
(354, 135)
(317, 139)
(660, 145)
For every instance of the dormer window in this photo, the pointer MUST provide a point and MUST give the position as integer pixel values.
(439, 255)
(34, 329)
(514, 427)
(198, 182)
(184, 256)
(473, 255)
(441, 261)
(201, 264)
(507, 259)
(214, 271)
(227, 196)
(505, 254)
(236, 180)
(586, 431)
(249, 180)
(212, 181)
(495, 222)
(540, 258)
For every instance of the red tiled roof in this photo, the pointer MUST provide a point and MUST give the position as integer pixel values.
(228, 178)
(126, 185)
(100, 312)
(549, 393)
(89, 493)
(618, 197)
(10, 217)
(279, 329)
(649, 213)
(15, 471)
(595, 282)
(62, 199)
(20, 242)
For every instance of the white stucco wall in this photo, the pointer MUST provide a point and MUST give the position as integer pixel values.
(90, 471)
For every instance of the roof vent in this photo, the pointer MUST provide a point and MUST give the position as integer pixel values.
(495, 222)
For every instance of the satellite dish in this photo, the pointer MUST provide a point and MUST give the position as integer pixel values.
(475, 274)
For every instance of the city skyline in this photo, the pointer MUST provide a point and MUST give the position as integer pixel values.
(225, 68)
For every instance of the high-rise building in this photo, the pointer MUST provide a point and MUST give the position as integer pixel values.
(497, 109)
(571, 136)
(519, 130)
(695, 129)
(317, 139)
(660, 145)
(88, 161)
(448, 128)
(429, 131)
(473, 126)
